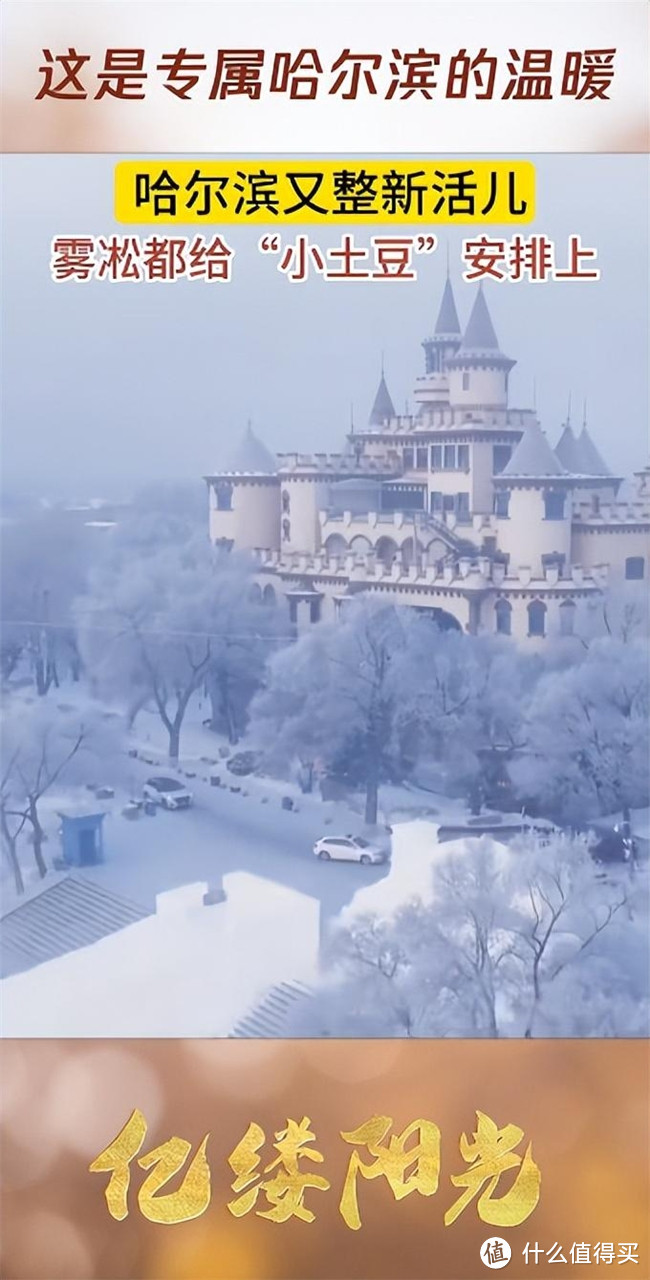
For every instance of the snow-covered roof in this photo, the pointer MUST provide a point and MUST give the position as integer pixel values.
(533, 456)
(65, 916)
(172, 973)
(447, 322)
(383, 406)
(251, 456)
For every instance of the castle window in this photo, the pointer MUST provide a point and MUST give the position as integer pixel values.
(421, 459)
(450, 457)
(269, 597)
(314, 610)
(567, 617)
(536, 618)
(293, 609)
(595, 504)
(502, 503)
(286, 502)
(224, 497)
(501, 454)
(463, 457)
(503, 615)
(554, 505)
(286, 530)
(465, 382)
(635, 568)
(436, 457)
(407, 459)
(462, 506)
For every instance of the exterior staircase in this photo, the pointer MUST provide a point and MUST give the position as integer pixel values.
(268, 1019)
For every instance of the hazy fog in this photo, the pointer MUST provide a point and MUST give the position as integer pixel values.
(106, 386)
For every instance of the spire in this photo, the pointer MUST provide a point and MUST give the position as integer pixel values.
(533, 457)
(479, 334)
(251, 456)
(383, 406)
(568, 452)
(447, 322)
(592, 463)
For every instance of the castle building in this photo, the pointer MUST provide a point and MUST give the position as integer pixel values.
(462, 508)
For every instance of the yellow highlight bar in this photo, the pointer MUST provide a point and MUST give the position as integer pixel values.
(268, 192)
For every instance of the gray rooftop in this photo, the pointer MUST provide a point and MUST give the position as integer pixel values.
(592, 463)
(72, 913)
(447, 322)
(568, 452)
(479, 334)
(383, 407)
(251, 456)
(533, 456)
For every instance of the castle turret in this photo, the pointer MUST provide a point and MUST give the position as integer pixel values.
(245, 497)
(433, 388)
(478, 371)
(567, 451)
(532, 503)
(383, 408)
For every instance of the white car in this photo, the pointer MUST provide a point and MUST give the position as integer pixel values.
(168, 792)
(348, 849)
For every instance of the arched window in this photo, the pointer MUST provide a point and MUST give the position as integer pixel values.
(503, 614)
(635, 568)
(269, 597)
(536, 618)
(286, 501)
(567, 617)
(386, 550)
(255, 593)
(286, 530)
(335, 545)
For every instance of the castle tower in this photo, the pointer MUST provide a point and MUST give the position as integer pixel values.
(383, 408)
(478, 371)
(245, 497)
(567, 451)
(433, 388)
(532, 503)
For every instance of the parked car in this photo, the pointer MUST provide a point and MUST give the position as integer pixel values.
(348, 849)
(168, 792)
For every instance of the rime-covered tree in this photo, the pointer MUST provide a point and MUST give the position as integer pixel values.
(528, 942)
(42, 746)
(164, 618)
(586, 749)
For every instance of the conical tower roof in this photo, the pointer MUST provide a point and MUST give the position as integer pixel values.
(533, 457)
(383, 406)
(251, 456)
(479, 334)
(591, 462)
(568, 452)
(447, 322)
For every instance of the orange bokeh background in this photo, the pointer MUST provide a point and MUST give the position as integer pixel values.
(583, 1104)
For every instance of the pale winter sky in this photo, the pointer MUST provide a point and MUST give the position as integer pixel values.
(109, 386)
